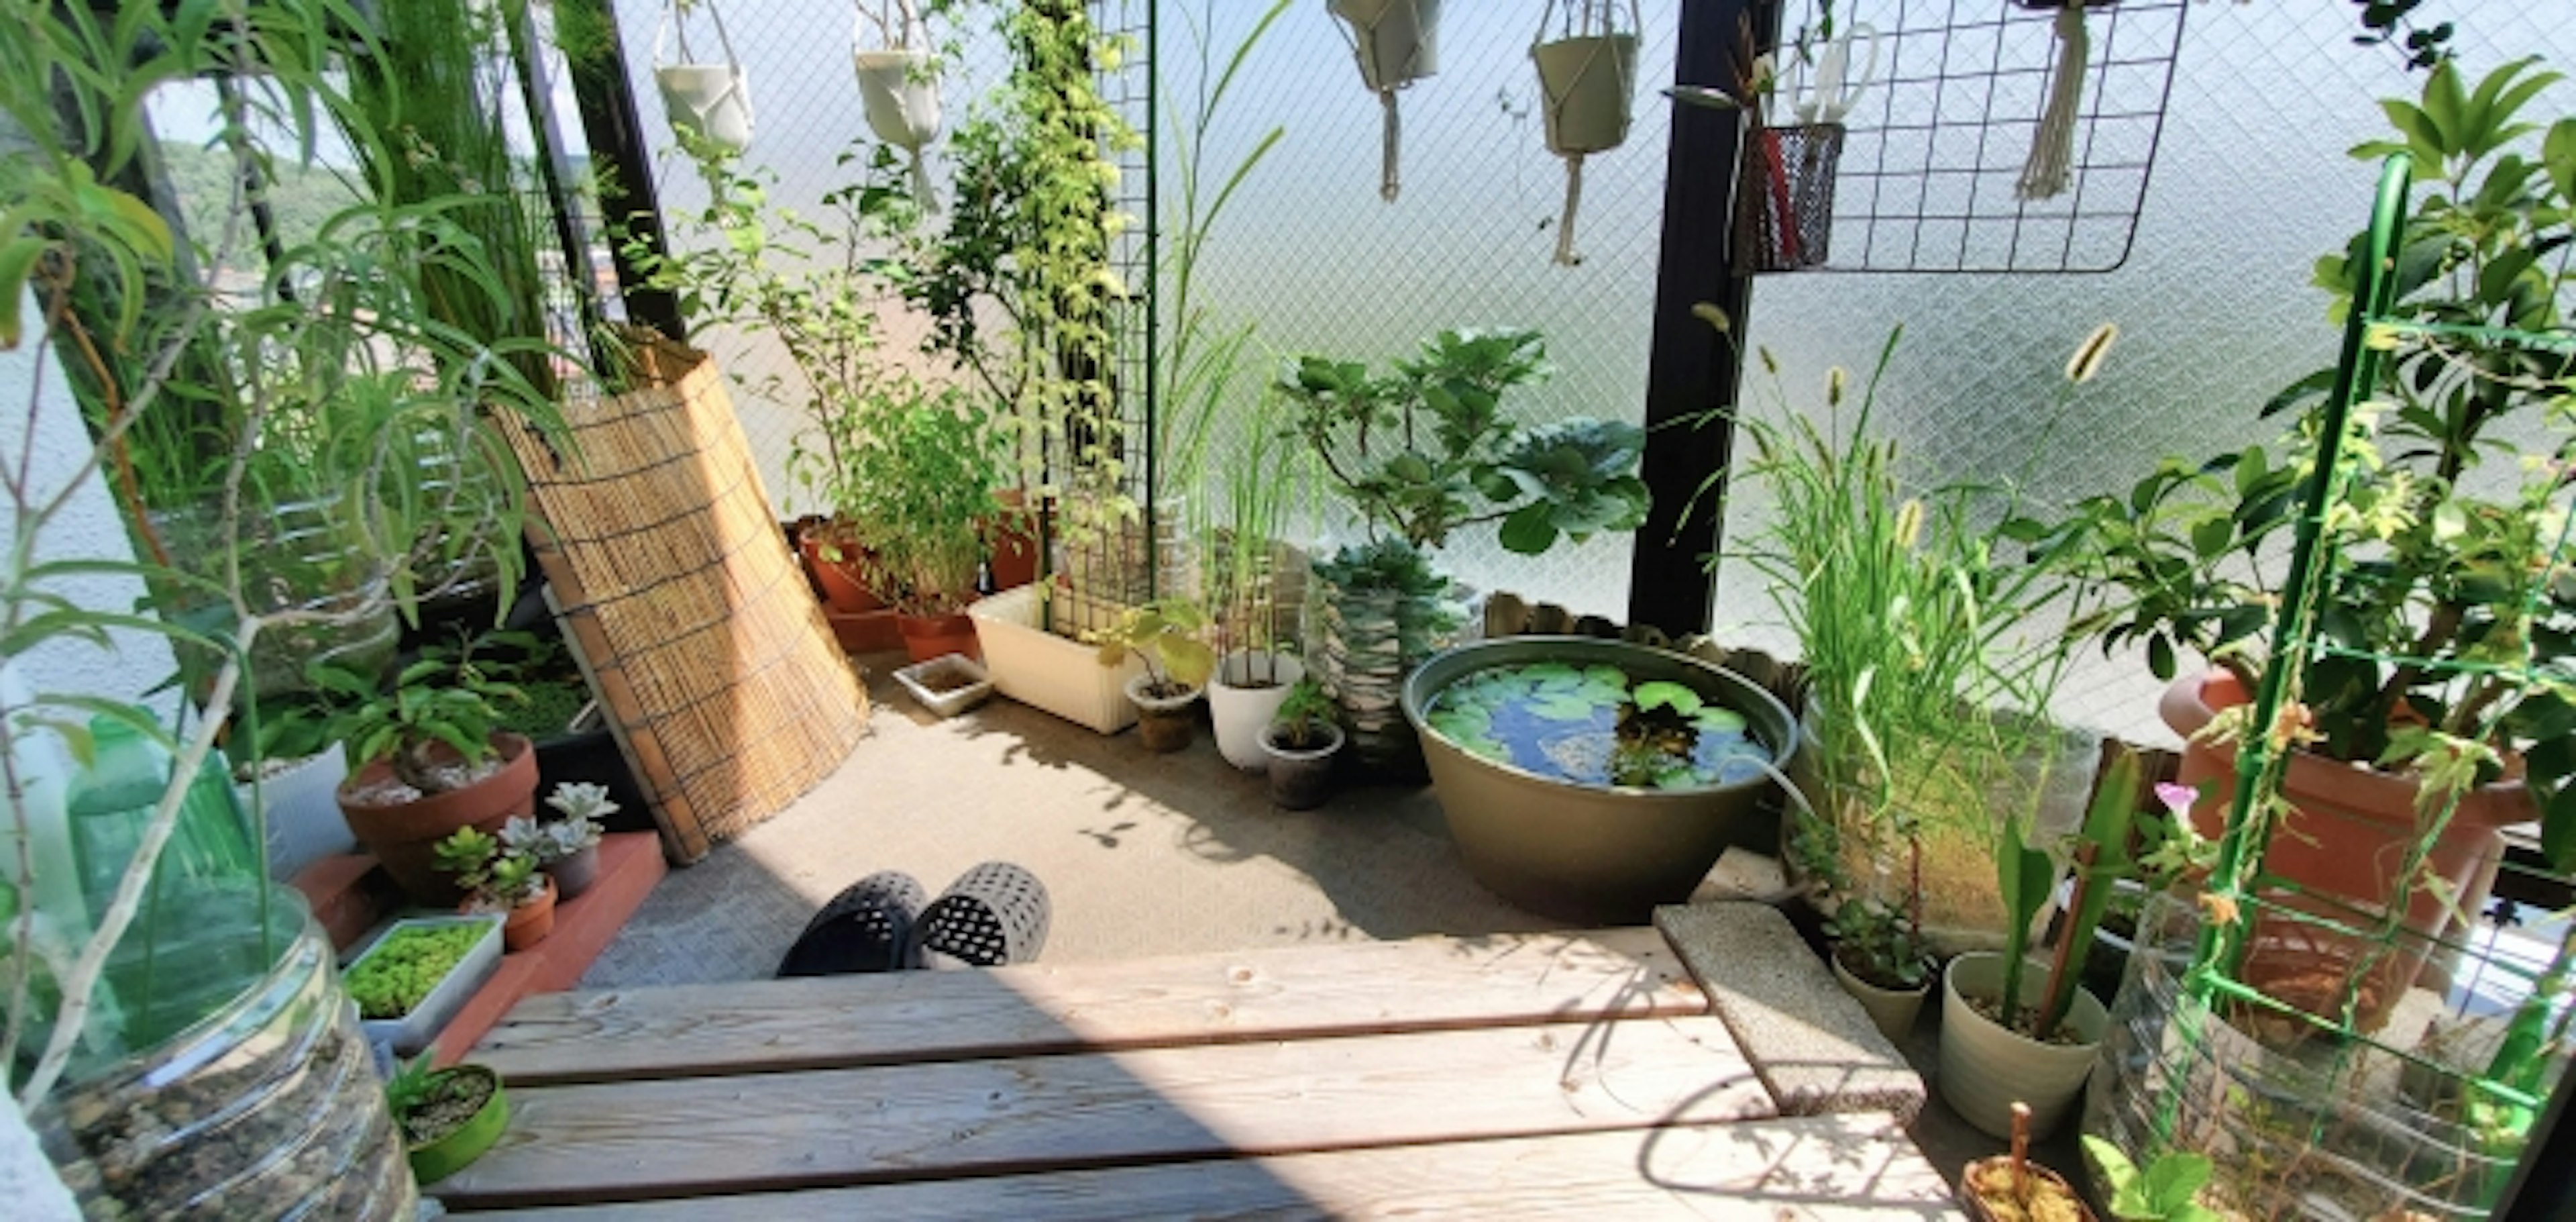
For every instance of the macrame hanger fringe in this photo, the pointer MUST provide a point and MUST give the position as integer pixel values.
(1390, 180)
(2052, 150)
(1565, 254)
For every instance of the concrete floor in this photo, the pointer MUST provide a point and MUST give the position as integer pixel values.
(1141, 854)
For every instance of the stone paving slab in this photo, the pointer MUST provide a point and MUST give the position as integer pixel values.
(1812, 1045)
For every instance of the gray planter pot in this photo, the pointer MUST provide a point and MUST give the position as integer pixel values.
(1986, 1067)
(1300, 780)
(1594, 853)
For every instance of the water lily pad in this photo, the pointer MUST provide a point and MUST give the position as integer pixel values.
(1714, 719)
(1674, 696)
(1569, 706)
(1487, 748)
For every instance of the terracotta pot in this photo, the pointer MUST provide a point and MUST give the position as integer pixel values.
(530, 922)
(843, 587)
(404, 837)
(2347, 837)
(931, 636)
(1014, 557)
(574, 875)
(864, 631)
(1163, 723)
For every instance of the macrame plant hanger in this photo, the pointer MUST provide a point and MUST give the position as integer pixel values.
(1587, 80)
(897, 86)
(712, 100)
(2052, 148)
(1396, 43)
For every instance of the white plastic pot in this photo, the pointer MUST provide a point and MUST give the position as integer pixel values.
(1036, 667)
(1240, 710)
(1892, 1011)
(303, 820)
(1397, 42)
(1985, 1066)
(713, 100)
(1586, 86)
(900, 96)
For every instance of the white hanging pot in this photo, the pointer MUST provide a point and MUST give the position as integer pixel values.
(711, 99)
(1587, 79)
(900, 95)
(1586, 86)
(1396, 43)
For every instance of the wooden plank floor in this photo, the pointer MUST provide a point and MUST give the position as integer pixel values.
(1521, 1075)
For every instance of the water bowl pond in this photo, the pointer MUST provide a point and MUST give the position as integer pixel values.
(1592, 780)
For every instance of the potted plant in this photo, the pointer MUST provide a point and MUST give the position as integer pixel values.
(1422, 453)
(418, 975)
(2010, 1062)
(899, 83)
(1397, 43)
(1881, 959)
(1922, 643)
(1166, 634)
(1300, 743)
(1250, 578)
(427, 759)
(927, 466)
(448, 1117)
(2165, 1190)
(2421, 720)
(568, 847)
(704, 99)
(2010, 1188)
(1587, 76)
(498, 878)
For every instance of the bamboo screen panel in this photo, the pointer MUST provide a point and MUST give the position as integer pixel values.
(705, 644)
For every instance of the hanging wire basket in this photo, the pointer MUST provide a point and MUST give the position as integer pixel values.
(1784, 203)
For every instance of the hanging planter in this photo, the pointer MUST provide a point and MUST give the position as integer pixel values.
(712, 100)
(1396, 43)
(1587, 78)
(899, 85)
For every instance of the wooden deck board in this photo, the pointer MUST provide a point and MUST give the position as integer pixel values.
(1842, 1168)
(645, 1140)
(1426, 984)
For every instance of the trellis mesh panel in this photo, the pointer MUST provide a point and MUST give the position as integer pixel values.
(2214, 303)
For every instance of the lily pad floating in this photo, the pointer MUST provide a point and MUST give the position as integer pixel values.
(1674, 696)
(1714, 719)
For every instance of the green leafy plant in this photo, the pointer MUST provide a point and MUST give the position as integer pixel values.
(2166, 1190)
(1880, 943)
(400, 972)
(439, 713)
(2025, 874)
(1303, 716)
(1167, 633)
(429, 1102)
(1425, 451)
(924, 474)
(495, 876)
(2448, 540)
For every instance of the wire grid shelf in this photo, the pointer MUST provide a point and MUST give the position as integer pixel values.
(2290, 971)
(1936, 143)
(1111, 564)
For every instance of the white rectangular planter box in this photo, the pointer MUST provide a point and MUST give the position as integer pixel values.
(916, 680)
(414, 1031)
(1038, 668)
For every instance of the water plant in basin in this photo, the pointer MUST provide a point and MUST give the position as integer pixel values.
(1595, 725)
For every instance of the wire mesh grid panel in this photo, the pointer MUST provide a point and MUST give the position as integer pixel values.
(1312, 254)
(1953, 110)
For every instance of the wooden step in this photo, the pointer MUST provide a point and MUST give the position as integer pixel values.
(1843, 1168)
(1289, 993)
(630, 864)
(644, 1140)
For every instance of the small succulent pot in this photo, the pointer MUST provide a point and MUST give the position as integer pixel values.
(1164, 723)
(435, 1158)
(1300, 778)
(530, 922)
(574, 875)
(1892, 1010)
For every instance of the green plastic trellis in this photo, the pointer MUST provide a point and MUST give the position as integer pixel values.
(2506, 1099)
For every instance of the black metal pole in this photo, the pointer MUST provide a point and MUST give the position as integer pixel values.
(604, 89)
(1693, 367)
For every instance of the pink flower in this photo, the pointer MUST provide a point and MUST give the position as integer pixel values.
(2176, 797)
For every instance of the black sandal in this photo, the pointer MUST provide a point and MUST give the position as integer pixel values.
(870, 927)
(994, 914)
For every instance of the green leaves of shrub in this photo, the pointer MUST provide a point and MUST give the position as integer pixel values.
(2165, 1191)
(400, 972)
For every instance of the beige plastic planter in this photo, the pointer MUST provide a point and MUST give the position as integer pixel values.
(1985, 1068)
(1892, 1010)
(1038, 668)
(900, 95)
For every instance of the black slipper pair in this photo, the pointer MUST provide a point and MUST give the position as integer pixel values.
(994, 914)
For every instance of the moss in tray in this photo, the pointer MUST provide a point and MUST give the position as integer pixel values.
(400, 972)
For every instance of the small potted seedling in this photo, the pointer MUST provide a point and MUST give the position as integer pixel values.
(568, 848)
(1882, 961)
(1301, 742)
(1165, 633)
(2165, 1190)
(2011, 1188)
(497, 878)
(448, 1117)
